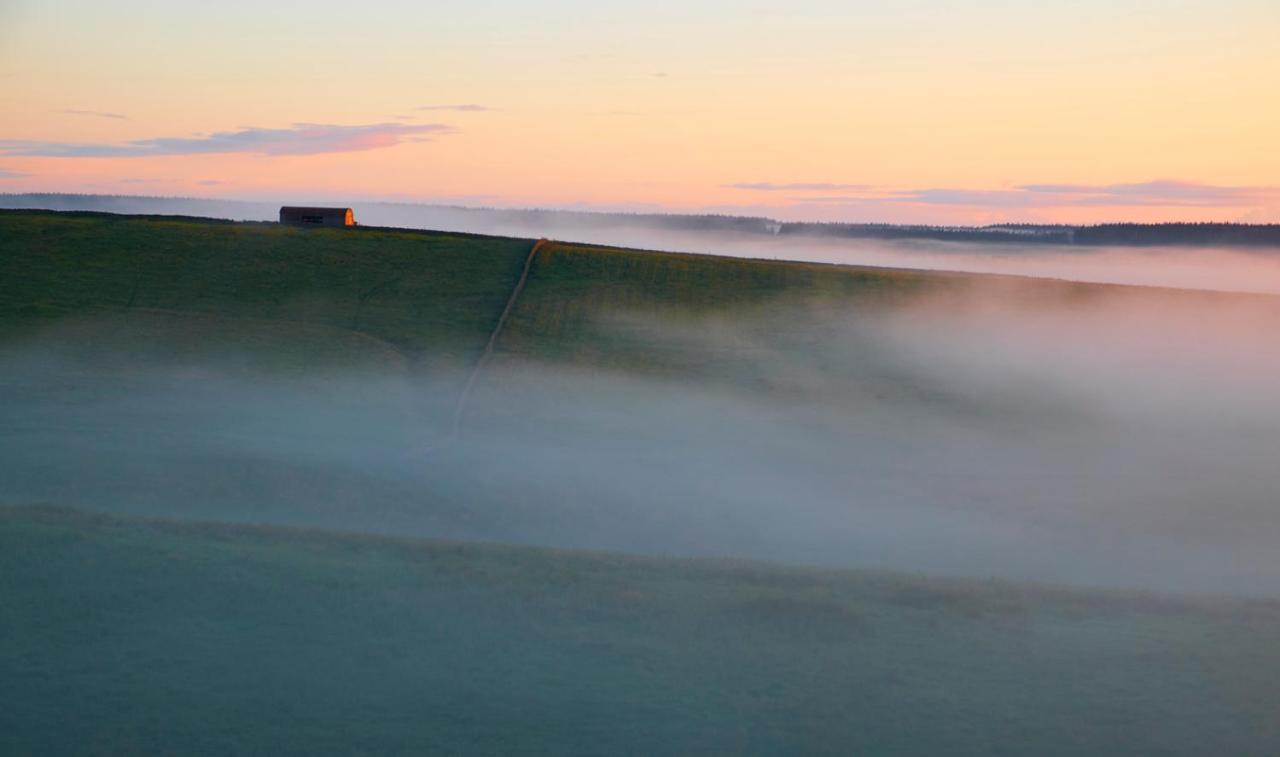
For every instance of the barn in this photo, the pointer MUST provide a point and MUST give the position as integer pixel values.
(295, 216)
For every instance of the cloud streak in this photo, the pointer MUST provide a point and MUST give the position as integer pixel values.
(1161, 193)
(460, 108)
(298, 139)
(93, 113)
(766, 186)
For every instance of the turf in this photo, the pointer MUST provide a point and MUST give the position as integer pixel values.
(153, 637)
(565, 311)
(196, 633)
(420, 293)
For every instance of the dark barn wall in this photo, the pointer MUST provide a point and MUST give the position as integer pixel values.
(335, 217)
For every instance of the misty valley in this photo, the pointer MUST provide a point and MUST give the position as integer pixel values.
(705, 378)
(772, 480)
(1049, 441)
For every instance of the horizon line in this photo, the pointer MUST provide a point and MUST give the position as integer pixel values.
(606, 212)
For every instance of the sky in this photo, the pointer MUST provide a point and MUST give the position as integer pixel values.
(962, 112)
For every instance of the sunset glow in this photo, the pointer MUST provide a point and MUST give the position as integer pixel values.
(971, 112)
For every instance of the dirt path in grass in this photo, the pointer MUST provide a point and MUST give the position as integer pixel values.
(460, 409)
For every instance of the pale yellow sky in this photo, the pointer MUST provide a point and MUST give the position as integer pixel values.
(961, 112)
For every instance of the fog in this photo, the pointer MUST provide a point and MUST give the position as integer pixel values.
(1127, 438)
(1190, 267)
(1225, 269)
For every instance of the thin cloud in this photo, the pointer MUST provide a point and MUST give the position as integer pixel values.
(1162, 193)
(462, 108)
(837, 199)
(987, 198)
(210, 182)
(138, 181)
(1145, 194)
(6, 174)
(93, 113)
(767, 186)
(299, 139)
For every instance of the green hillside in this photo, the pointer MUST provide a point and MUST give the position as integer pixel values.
(352, 346)
(144, 290)
(234, 517)
(429, 298)
(563, 313)
(421, 294)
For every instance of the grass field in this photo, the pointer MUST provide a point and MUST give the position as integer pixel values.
(155, 637)
(126, 307)
(251, 550)
(426, 295)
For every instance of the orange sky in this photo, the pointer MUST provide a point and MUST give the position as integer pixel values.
(973, 111)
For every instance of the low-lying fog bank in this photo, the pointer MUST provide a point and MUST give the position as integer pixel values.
(1124, 441)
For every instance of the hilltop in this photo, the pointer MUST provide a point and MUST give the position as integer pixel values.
(560, 223)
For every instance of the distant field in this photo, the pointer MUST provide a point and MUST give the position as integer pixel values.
(153, 637)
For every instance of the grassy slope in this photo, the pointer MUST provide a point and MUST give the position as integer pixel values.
(153, 289)
(600, 307)
(425, 295)
(572, 286)
(180, 638)
(146, 637)
(422, 294)
(432, 296)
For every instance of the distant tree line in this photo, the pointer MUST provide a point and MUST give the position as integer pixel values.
(1056, 234)
(426, 216)
(1179, 233)
(1148, 234)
